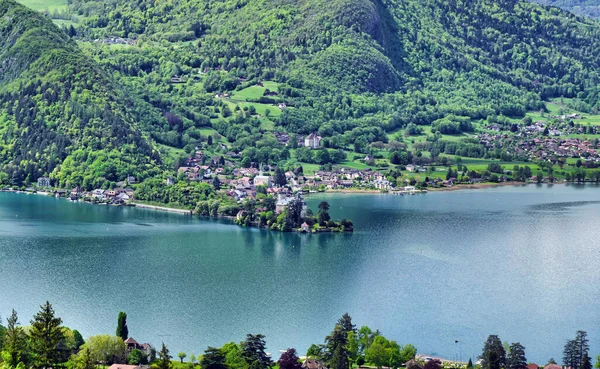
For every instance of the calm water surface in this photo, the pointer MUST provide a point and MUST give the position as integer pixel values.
(520, 262)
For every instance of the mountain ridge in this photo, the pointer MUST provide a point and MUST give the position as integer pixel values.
(61, 113)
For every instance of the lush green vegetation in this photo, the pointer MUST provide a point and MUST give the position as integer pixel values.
(47, 343)
(60, 114)
(406, 80)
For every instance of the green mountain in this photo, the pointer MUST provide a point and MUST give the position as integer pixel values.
(585, 8)
(60, 114)
(356, 71)
(343, 62)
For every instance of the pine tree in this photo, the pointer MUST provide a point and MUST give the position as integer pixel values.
(470, 364)
(494, 355)
(337, 354)
(164, 359)
(570, 357)
(582, 346)
(122, 330)
(516, 357)
(254, 352)
(46, 333)
(15, 342)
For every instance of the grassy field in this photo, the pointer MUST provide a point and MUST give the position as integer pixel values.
(41, 5)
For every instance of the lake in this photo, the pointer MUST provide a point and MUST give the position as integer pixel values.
(519, 262)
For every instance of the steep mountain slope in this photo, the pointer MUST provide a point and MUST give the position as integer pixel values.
(60, 114)
(483, 57)
(584, 8)
(353, 70)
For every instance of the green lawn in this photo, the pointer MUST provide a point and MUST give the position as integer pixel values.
(40, 5)
(255, 92)
(260, 108)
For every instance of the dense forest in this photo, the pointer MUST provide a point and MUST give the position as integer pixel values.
(60, 114)
(352, 70)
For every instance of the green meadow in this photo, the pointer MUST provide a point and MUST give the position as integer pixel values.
(41, 5)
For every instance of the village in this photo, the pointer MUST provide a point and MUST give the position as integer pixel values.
(543, 141)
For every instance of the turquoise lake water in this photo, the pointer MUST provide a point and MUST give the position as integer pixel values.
(519, 262)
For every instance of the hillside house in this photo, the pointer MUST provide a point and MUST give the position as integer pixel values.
(312, 141)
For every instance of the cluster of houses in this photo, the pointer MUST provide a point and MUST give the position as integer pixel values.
(542, 148)
(117, 41)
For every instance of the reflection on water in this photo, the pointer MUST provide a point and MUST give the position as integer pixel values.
(520, 262)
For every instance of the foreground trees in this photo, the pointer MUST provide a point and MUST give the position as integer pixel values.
(14, 350)
(122, 330)
(46, 333)
(576, 352)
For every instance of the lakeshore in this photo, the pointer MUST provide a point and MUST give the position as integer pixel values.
(219, 278)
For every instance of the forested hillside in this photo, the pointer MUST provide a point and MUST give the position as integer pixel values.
(235, 72)
(60, 114)
(347, 64)
(585, 8)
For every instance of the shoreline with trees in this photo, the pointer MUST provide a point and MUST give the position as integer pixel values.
(46, 344)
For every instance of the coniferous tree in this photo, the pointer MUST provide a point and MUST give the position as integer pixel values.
(122, 330)
(254, 352)
(279, 178)
(587, 362)
(337, 353)
(345, 322)
(15, 342)
(570, 357)
(213, 358)
(583, 347)
(516, 357)
(164, 359)
(494, 355)
(45, 335)
(470, 364)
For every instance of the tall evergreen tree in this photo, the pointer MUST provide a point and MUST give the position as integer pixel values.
(46, 333)
(345, 322)
(15, 342)
(337, 353)
(279, 177)
(516, 357)
(583, 347)
(122, 330)
(254, 352)
(470, 364)
(164, 359)
(494, 355)
(570, 356)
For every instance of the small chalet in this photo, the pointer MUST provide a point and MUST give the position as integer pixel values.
(44, 182)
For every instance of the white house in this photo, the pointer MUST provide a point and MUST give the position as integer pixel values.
(262, 180)
(44, 182)
(312, 141)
